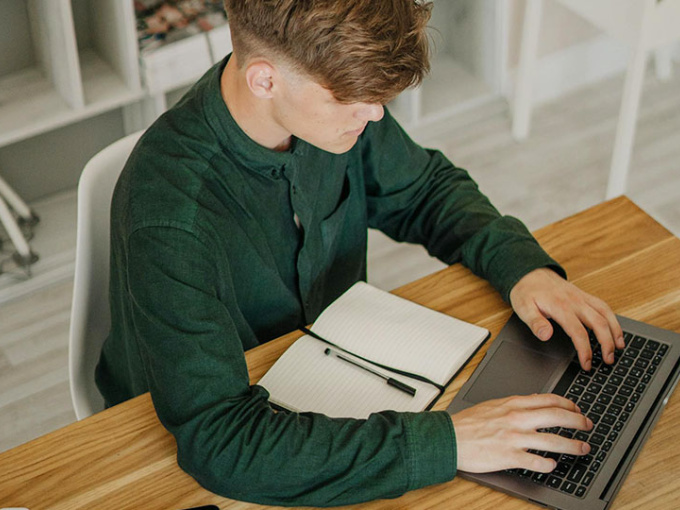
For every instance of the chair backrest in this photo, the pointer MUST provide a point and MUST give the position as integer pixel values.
(90, 316)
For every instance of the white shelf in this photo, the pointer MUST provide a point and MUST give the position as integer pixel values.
(104, 89)
(29, 103)
(84, 62)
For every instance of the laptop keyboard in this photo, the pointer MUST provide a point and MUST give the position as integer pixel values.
(608, 395)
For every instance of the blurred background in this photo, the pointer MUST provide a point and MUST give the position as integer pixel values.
(76, 75)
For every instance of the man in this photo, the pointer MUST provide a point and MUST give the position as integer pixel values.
(243, 213)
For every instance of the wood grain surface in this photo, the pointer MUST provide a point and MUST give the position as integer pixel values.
(123, 458)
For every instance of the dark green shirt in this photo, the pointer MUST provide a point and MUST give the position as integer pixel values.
(207, 261)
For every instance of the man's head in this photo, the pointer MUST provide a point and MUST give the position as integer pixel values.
(361, 50)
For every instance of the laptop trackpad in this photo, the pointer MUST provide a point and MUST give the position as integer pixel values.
(515, 370)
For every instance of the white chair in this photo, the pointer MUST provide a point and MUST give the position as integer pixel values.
(646, 25)
(90, 316)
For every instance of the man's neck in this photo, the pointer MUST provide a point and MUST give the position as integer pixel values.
(253, 115)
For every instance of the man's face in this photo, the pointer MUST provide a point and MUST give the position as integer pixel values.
(310, 112)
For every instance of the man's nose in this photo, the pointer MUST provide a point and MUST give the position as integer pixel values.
(371, 112)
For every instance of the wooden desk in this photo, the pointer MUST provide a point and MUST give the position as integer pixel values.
(124, 459)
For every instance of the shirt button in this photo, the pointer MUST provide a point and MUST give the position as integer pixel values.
(274, 172)
(294, 189)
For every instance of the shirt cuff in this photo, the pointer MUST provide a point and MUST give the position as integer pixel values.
(431, 448)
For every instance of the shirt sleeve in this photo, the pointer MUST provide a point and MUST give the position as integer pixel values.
(417, 195)
(228, 437)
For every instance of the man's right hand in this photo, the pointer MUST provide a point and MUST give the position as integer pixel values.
(497, 434)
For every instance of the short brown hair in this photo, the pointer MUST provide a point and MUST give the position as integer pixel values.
(361, 50)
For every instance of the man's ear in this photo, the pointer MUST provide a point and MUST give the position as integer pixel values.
(260, 78)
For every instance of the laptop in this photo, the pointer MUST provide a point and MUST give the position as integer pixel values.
(624, 400)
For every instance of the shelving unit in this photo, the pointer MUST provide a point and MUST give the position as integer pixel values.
(466, 66)
(78, 59)
(82, 60)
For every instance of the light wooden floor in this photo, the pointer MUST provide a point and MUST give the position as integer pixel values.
(560, 170)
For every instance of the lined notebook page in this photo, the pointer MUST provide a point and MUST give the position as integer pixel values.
(306, 379)
(395, 332)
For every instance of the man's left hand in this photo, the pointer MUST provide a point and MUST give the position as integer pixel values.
(542, 294)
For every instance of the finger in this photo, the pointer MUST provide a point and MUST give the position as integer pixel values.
(531, 315)
(573, 327)
(599, 324)
(533, 462)
(548, 417)
(558, 444)
(540, 401)
(613, 323)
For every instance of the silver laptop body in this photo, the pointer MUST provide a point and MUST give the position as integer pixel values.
(519, 364)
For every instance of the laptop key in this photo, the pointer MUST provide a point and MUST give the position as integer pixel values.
(595, 418)
(626, 391)
(554, 482)
(615, 410)
(632, 381)
(568, 487)
(581, 491)
(588, 397)
(647, 354)
(652, 345)
(621, 371)
(599, 408)
(626, 362)
(638, 342)
(599, 379)
(608, 419)
(597, 439)
(588, 478)
(561, 470)
(540, 477)
(594, 388)
(616, 380)
(606, 399)
(609, 389)
(602, 429)
(581, 436)
(587, 459)
(641, 363)
(577, 472)
(631, 353)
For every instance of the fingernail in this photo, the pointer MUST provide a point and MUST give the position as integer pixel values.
(543, 333)
(589, 423)
(585, 448)
(610, 357)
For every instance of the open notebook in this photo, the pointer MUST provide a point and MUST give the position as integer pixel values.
(365, 332)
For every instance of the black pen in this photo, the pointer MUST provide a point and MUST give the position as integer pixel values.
(390, 380)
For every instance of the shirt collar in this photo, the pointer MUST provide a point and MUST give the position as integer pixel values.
(234, 140)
